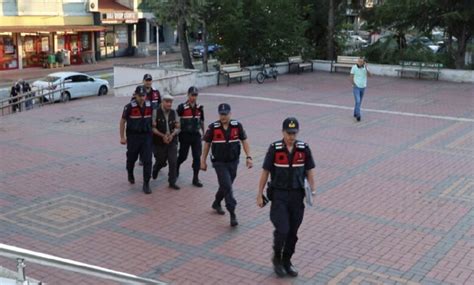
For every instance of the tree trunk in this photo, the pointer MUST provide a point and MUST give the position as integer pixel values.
(460, 52)
(183, 38)
(331, 24)
(205, 44)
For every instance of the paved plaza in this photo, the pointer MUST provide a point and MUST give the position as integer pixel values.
(394, 201)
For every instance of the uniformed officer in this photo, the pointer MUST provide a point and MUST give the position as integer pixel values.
(137, 118)
(153, 96)
(165, 149)
(192, 128)
(288, 162)
(223, 137)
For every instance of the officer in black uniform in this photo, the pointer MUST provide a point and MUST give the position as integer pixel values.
(288, 162)
(224, 137)
(192, 124)
(152, 95)
(165, 140)
(137, 118)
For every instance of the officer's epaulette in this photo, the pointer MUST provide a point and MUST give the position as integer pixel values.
(147, 103)
(300, 145)
(133, 103)
(216, 124)
(234, 122)
(185, 105)
(277, 145)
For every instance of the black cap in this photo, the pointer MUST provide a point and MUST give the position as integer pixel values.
(224, 109)
(147, 77)
(193, 90)
(291, 125)
(140, 90)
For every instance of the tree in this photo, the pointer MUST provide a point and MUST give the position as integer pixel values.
(175, 12)
(331, 27)
(456, 17)
(251, 31)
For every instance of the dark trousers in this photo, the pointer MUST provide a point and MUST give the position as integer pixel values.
(193, 141)
(139, 144)
(286, 214)
(166, 153)
(226, 173)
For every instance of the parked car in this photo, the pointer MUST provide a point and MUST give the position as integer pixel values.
(357, 41)
(198, 51)
(77, 84)
(425, 41)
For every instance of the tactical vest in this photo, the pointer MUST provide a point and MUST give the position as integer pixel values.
(225, 149)
(161, 125)
(288, 172)
(154, 97)
(138, 122)
(191, 118)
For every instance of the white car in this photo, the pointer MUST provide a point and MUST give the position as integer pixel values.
(77, 84)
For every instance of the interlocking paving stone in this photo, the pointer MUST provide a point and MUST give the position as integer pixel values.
(394, 203)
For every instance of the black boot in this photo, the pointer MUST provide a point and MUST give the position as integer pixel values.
(218, 208)
(146, 187)
(131, 178)
(278, 265)
(290, 269)
(233, 220)
(196, 181)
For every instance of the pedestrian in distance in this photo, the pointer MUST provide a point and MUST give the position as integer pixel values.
(358, 77)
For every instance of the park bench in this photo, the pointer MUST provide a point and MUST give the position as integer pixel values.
(233, 70)
(300, 63)
(419, 68)
(344, 61)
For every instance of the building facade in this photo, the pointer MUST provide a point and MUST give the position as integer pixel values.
(32, 30)
(83, 30)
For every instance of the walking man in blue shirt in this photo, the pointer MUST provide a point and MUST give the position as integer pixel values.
(359, 73)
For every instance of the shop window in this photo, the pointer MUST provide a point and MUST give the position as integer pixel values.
(8, 53)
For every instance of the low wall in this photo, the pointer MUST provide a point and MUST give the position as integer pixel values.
(452, 75)
(167, 80)
(173, 80)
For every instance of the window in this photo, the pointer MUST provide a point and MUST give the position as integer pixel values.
(79, 78)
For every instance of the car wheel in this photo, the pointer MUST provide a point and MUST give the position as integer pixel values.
(65, 96)
(103, 90)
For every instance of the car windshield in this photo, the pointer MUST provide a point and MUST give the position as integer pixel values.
(199, 47)
(51, 78)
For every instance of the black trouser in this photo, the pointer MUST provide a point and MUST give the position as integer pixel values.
(226, 173)
(166, 153)
(139, 144)
(286, 214)
(193, 141)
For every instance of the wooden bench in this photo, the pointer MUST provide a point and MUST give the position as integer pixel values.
(300, 63)
(233, 70)
(344, 61)
(419, 68)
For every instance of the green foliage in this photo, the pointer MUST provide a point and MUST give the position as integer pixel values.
(253, 30)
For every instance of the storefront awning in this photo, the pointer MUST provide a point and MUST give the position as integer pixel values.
(48, 29)
(112, 6)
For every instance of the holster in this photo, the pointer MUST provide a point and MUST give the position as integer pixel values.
(269, 191)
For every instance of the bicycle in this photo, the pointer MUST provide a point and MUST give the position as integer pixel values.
(267, 71)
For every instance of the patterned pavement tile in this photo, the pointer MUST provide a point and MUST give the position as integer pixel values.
(394, 202)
